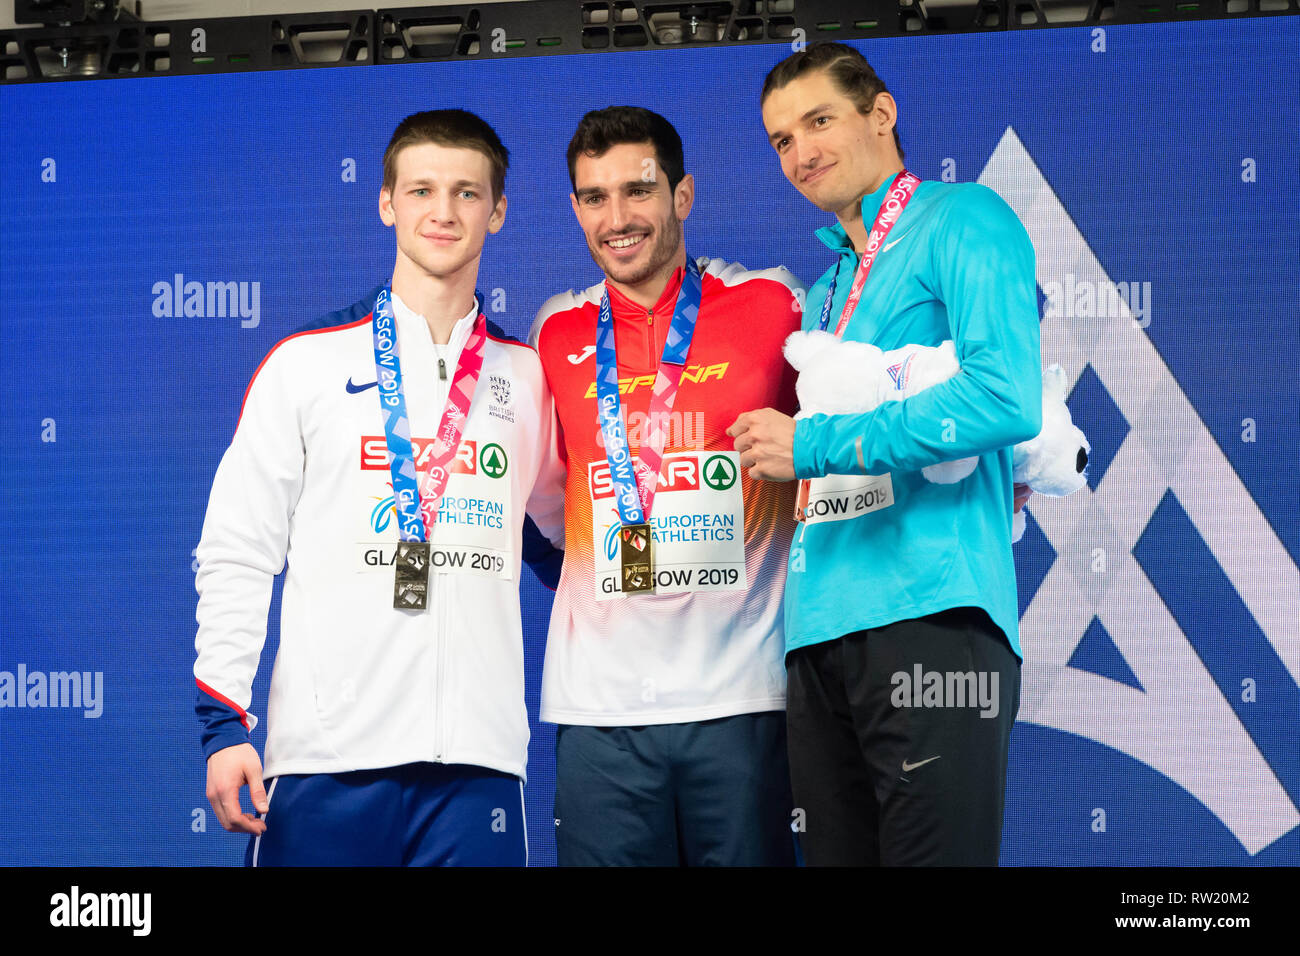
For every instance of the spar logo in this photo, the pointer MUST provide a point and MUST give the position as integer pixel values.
(375, 457)
(719, 473)
(679, 473)
(492, 459)
(468, 460)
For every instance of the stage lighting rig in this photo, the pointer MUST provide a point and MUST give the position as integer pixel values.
(67, 12)
(76, 54)
(697, 23)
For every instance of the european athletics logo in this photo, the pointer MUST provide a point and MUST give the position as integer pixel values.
(899, 372)
(383, 514)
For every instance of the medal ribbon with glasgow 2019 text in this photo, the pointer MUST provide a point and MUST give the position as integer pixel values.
(891, 208)
(635, 496)
(896, 199)
(417, 499)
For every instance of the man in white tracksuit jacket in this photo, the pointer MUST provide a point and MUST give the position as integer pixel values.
(395, 737)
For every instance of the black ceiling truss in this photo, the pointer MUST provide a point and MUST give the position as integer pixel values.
(100, 39)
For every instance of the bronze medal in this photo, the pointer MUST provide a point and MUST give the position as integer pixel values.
(801, 499)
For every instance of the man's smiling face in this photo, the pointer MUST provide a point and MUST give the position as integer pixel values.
(630, 217)
(829, 151)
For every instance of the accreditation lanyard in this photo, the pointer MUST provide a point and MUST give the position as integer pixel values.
(417, 499)
(891, 208)
(635, 492)
(896, 199)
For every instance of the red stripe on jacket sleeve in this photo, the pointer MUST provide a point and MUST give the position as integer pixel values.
(243, 714)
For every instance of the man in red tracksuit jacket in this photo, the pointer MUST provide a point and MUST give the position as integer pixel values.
(671, 705)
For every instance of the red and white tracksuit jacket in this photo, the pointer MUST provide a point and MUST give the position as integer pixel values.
(709, 642)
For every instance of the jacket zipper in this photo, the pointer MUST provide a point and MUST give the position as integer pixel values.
(435, 587)
(441, 712)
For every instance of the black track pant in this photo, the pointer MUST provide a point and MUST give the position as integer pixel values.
(898, 742)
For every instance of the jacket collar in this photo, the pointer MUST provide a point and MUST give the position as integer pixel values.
(834, 236)
(620, 304)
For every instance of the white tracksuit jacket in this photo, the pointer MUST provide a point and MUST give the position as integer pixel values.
(358, 684)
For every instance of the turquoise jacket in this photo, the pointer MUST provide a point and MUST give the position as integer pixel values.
(959, 265)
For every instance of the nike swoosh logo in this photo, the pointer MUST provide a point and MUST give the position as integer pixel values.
(580, 357)
(909, 767)
(889, 245)
(354, 389)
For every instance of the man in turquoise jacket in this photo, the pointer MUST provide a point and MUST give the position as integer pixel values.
(901, 614)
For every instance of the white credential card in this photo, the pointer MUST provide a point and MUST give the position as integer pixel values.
(698, 522)
(473, 532)
(844, 497)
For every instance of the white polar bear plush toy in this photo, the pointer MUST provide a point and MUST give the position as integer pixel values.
(846, 378)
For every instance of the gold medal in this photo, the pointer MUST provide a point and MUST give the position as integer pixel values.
(634, 552)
